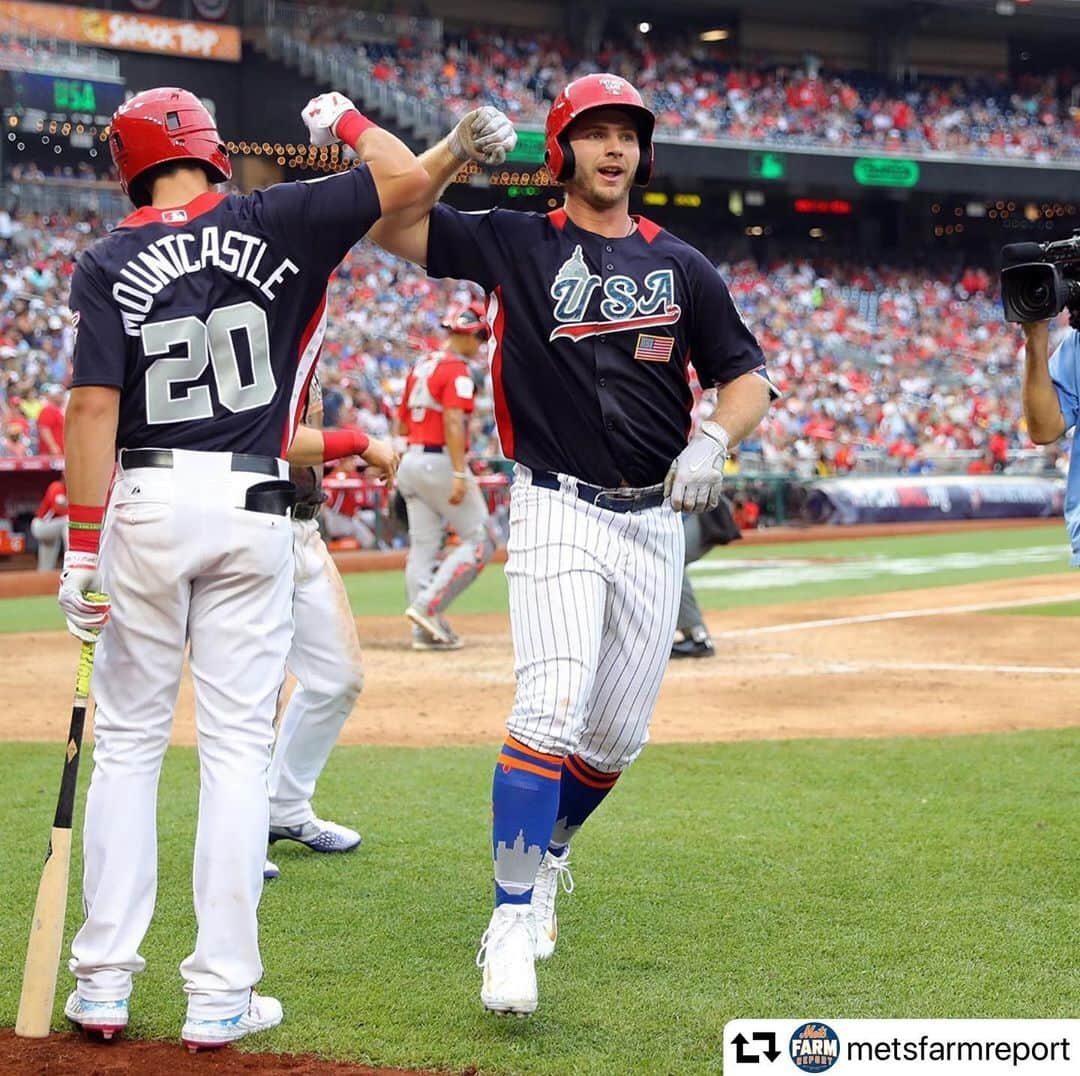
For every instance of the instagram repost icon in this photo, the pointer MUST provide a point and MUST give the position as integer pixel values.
(814, 1047)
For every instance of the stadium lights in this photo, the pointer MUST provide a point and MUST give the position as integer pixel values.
(654, 198)
(644, 27)
(718, 34)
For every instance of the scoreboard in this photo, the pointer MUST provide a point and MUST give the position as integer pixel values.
(61, 98)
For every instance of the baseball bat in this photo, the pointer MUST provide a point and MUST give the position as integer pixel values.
(50, 909)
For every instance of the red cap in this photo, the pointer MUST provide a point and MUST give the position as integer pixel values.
(471, 318)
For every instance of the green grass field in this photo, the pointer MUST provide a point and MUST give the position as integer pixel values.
(816, 879)
(905, 878)
(383, 593)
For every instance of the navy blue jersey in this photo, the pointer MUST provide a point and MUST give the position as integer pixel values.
(209, 318)
(592, 337)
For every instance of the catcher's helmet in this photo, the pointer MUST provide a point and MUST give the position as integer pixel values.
(162, 125)
(582, 95)
(470, 319)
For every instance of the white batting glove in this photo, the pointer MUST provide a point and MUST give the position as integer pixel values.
(484, 135)
(697, 474)
(85, 618)
(320, 116)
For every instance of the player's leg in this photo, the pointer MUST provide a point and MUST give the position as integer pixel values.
(137, 671)
(326, 661)
(633, 656)
(476, 546)
(558, 587)
(240, 631)
(691, 635)
(424, 496)
(49, 534)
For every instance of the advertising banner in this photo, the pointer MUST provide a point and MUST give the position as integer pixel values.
(920, 499)
(132, 31)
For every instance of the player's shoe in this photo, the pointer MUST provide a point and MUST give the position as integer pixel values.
(261, 1014)
(506, 958)
(319, 835)
(270, 871)
(422, 641)
(108, 1018)
(435, 626)
(554, 872)
(695, 645)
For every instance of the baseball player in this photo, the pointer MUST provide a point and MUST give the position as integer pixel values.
(703, 531)
(439, 489)
(325, 654)
(595, 315)
(49, 526)
(199, 320)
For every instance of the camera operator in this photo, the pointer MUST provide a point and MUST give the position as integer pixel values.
(1051, 399)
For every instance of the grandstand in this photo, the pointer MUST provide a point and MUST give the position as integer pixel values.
(789, 153)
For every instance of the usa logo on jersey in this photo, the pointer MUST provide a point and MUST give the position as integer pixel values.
(626, 304)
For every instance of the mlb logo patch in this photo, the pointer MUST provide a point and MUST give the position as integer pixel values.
(174, 216)
(653, 348)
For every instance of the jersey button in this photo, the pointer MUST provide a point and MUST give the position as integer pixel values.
(602, 382)
(610, 424)
(608, 249)
(610, 266)
(602, 336)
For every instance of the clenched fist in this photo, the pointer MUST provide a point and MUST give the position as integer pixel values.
(320, 116)
(697, 473)
(484, 135)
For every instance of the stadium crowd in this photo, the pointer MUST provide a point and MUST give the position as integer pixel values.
(881, 369)
(699, 95)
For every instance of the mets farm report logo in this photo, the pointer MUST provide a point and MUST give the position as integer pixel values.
(814, 1047)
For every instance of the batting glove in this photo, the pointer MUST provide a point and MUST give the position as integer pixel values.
(85, 618)
(693, 483)
(484, 135)
(320, 116)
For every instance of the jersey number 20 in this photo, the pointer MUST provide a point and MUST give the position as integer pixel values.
(207, 343)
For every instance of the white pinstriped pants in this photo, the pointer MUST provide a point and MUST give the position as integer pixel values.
(594, 596)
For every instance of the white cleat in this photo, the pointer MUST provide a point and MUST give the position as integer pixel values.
(319, 835)
(260, 1015)
(506, 958)
(107, 1018)
(554, 871)
(270, 871)
(434, 625)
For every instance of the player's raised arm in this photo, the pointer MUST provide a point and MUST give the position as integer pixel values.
(399, 179)
(1042, 397)
(484, 135)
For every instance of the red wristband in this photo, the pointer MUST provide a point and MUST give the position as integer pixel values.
(351, 125)
(338, 443)
(84, 527)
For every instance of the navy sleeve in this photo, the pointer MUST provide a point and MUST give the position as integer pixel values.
(320, 218)
(722, 347)
(100, 344)
(463, 245)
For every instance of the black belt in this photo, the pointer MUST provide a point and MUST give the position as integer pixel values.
(132, 458)
(306, 511)
(614, 500)
(433, 448)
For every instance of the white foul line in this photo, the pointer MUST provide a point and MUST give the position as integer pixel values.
(907, 614)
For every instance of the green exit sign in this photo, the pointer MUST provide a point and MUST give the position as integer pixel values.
(768, 165)
(529, 148)
(885, 172)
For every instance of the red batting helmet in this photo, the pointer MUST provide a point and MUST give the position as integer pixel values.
(470, 319)
(582, 95)
(162, 125)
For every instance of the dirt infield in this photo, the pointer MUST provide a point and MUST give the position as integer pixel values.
(924, 662)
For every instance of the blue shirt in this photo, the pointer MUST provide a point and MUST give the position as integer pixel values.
(1065, 373)
(209, 317)
(591, 338)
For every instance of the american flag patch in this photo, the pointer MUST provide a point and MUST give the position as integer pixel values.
(653, 348)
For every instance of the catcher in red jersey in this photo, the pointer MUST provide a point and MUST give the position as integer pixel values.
(439, 489)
